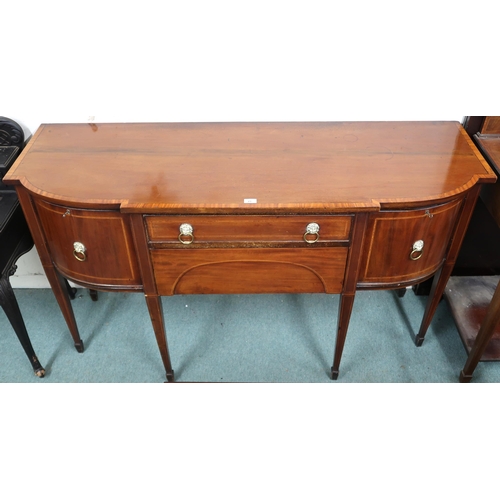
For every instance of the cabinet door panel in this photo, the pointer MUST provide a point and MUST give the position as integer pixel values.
(109, 256)
(391, 236)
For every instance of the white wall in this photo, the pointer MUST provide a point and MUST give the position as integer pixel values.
(109, 61)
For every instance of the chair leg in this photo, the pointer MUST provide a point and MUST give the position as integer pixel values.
(9, 304)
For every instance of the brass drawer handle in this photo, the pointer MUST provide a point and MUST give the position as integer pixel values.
(79, 251)
(417, 250)
(186, 234)
(312, 229)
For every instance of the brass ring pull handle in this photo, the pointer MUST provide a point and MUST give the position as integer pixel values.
(186, 234)
(417, 250)
(79, 251)
(312, 229)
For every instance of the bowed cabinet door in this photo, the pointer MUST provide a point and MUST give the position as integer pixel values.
(404, 247)
(92, 247)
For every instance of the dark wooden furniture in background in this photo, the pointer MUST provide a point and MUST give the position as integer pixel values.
(186, 208)
(479, 255)
(15, 238)
(474, 303)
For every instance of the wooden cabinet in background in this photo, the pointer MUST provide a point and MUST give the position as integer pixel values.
(473, 293)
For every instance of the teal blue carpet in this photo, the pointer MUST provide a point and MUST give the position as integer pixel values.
(237, 338)
(390, 411)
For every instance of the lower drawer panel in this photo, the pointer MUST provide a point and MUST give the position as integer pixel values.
(275, 270)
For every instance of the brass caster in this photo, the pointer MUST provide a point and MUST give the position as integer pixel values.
(419, 341)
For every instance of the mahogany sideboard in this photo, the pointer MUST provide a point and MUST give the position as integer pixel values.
(200, 208)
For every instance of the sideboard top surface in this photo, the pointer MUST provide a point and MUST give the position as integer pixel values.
(249, 167)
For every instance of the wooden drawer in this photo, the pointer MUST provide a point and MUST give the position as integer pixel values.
(387, 257)
(249, 229)
(250, 270)
(109, 256)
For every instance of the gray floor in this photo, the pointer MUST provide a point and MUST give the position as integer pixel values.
(237, 338)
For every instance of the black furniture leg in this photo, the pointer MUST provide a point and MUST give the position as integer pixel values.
(9, 304)
(71, 290)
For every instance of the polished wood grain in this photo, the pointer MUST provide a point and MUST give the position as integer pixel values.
(350, 283)
(55, 279)
(442, 275)
(153, 300)
(390, 240)
(110, 258)
(254, 270)
(249, 190)
(491, 125)
(214, 167)
(253, 230)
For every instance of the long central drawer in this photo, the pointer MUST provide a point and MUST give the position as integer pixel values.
(248, 229)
